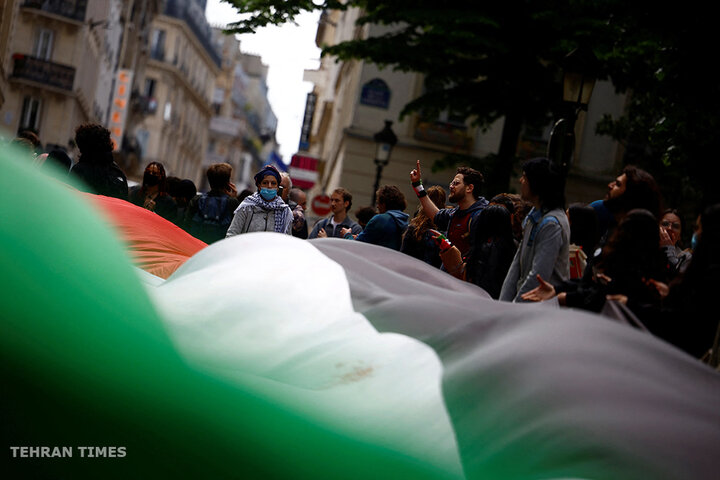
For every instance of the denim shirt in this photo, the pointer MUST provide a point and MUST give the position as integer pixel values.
(544, 251)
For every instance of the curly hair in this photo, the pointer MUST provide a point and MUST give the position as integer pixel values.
(633, 246)
(472, 177)
(364, 215)
(92, 138)
(641, 191)
(391, 197)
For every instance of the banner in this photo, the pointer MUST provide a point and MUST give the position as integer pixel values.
(119, 106)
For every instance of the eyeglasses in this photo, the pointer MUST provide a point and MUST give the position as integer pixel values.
(455, 183)
(674, 225)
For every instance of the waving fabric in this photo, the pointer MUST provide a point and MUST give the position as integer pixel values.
(266, 356)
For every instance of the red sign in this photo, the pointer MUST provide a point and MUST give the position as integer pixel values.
(303, 171)
(321, 204)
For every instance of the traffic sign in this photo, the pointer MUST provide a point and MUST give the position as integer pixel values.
(303, 171)
(321, 204)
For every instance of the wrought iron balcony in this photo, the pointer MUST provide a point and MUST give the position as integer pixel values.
(143, 104)
(48, 73)
(73, 9)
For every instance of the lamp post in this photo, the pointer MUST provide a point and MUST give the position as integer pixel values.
(580, 69)
(385, 140)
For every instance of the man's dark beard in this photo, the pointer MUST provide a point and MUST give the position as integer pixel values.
(456, 197)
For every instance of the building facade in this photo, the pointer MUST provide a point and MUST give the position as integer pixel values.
(353, 99)
(227, 129)
(252, 100)
(60, 61)
(172, 98)
(242, 129)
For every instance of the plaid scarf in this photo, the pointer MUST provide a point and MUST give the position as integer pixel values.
(276, 204)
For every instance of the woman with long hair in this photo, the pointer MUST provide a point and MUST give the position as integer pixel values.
(492, 253)
(687, 317)
(671, 230)
(417, 240)
(626, 265)
(153, 193)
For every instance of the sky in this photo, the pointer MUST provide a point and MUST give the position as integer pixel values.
(288, 50)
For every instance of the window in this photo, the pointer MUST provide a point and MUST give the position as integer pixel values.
(157, 46)
(149, 95)
(176, 54)
(149, 90)
(43, 44)
(30, 116)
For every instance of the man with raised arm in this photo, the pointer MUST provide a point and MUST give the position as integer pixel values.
(457, 223)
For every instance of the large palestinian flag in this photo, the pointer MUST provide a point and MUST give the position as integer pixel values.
(143, 353)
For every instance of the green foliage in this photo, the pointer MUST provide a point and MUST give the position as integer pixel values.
(487, 60)
(672, 117)
(476, 57)
(262, 13)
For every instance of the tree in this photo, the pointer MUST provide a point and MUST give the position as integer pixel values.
(476, 57)
(489, 60)
(671, 123)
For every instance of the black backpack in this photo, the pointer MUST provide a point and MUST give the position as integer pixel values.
(212, 218)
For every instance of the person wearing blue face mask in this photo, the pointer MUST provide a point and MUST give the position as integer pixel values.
(264, 210)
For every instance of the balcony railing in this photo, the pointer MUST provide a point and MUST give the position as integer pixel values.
(41, 71)
(74, 10)
(143, 104)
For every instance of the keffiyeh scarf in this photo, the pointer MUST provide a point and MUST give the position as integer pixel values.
(276, 204)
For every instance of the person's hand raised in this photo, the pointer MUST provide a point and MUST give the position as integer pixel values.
(415, 174)
(666, 237)
(231, 189)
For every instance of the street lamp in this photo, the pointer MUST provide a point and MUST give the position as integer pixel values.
(580, 70)
(385, 140)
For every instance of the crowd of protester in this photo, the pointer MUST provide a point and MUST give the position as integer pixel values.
(625, 248)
